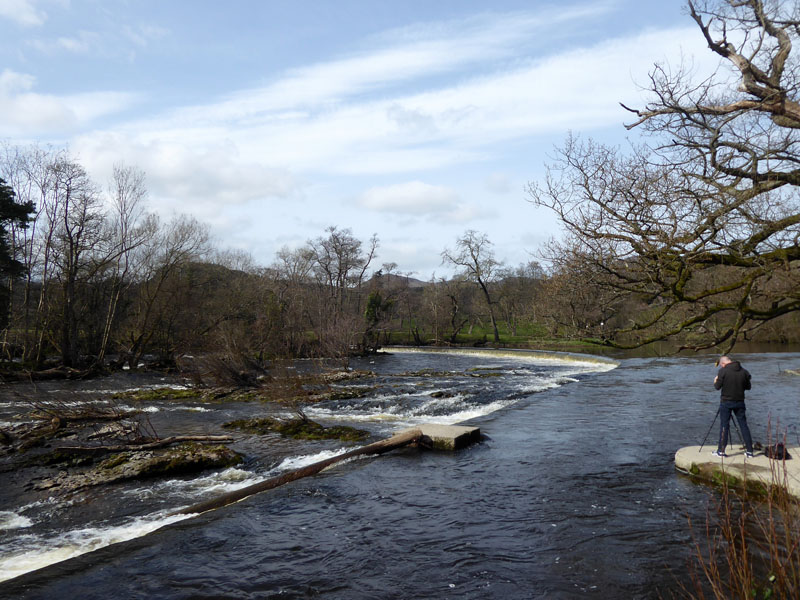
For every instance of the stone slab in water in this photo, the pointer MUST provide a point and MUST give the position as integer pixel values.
(450, 437)
(739, 470)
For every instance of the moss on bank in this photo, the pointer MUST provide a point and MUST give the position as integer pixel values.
(160, 394)
(730, 478)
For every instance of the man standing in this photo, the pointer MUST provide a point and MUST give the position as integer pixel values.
(732, 380)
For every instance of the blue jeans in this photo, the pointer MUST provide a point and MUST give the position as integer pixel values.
(738, 409)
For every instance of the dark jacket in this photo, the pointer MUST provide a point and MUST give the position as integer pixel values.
(732, 380)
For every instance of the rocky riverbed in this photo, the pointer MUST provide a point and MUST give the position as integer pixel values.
(64, 444)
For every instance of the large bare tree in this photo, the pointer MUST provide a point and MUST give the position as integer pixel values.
(128, 226)
(340, 263)
(700, 225)
(78, 221)
(474, 258)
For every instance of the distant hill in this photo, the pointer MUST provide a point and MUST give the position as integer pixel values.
(391, 280)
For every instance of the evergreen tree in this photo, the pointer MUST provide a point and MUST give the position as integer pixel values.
(11, 212)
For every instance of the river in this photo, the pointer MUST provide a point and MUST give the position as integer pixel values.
(572, 493)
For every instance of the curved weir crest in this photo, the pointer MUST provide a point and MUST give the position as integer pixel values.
(463, 390)
(597, 363)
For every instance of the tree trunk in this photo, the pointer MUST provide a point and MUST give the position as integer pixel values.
(397, 441)
(491, 309)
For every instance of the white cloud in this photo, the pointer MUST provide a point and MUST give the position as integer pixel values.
(467, 213)
(399, 57)
(23, 12)
(24, 112)
(12, 82)
(82, 43)
(498, 183)
(201, 179)
(115, 42)
(94, 105)
(411, 120)
(414, 198)
(144, 34)
(302, 123)
(424, 99)
(258, 144)
(429, 109)
(74, 45)
(424, 253)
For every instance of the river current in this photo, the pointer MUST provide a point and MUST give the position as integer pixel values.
(572, 493)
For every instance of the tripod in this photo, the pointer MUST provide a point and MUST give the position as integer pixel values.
(732, 419)
(709, 430)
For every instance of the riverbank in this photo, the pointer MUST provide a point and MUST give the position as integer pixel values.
(757, 474)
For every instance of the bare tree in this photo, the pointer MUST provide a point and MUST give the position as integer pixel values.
(290, 278)
(700, 226)
(474, 258)
(518, 288)
(127, 228)
(341, 263)
(168, 249)
(30, 173)
(78, 220)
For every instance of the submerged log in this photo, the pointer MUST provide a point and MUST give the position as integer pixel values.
(404, 438)
(58, 373)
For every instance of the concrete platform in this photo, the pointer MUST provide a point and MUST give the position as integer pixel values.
(449, 437)
(741, 472)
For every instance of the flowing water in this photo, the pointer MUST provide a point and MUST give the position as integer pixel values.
(572, 493)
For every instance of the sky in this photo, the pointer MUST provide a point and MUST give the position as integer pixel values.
(271, 120)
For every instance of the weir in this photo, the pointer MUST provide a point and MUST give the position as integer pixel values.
(755, 473)
(439, 437)
(449, 386)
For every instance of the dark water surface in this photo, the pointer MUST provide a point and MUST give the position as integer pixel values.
(573, 494)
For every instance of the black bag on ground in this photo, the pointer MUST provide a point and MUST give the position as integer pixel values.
(777, 451)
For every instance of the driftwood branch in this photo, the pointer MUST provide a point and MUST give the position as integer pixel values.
(148, 445)
(397, 441)
(62, 417)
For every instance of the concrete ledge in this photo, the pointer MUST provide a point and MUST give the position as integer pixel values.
(449, 437)
(752, 473)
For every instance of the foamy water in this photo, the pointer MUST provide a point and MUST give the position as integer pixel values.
(28, 554)
(594, 363)
(12, 520)
(405, 408)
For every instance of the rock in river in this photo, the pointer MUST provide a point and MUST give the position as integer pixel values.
(178, 460)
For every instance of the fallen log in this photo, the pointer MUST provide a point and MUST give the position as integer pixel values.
(148, 445)
(57, 373)
(83, 415)
(404, 438)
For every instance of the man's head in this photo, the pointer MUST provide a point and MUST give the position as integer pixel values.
(724, 360)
